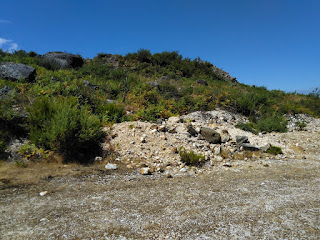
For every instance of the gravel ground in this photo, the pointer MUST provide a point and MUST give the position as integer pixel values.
(278, 201)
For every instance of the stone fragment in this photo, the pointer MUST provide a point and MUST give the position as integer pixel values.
(227, 164)
(210, 135)
(145, 171)
(43, 193)
(162, 128)
(241, 139)
(173, 120)
(249, 147)
(218, 158)
(98, 159)
(192, 131)
(183, 169)
(168, 175)
(111, 166)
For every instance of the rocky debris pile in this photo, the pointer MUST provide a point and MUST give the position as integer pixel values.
(212, 134)
(16, 71)
(301, 122)
(217, 116)
(61, 60)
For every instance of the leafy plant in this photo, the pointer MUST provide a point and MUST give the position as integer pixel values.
(274, 150)
(301, 125)
(274, 123)
(61, 124)
(113, 113)
(191, 158)
(247, 127)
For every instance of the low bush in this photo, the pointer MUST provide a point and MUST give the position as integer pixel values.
(61, 124)
(247, 127)
(274, 150)
(274, 123)
(191, 158)
(113, 113)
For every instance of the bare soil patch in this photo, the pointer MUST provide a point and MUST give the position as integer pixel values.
(280, 201)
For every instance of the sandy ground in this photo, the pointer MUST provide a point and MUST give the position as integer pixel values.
(254, 201)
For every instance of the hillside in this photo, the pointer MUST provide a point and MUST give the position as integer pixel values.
(152, 146)
(63, 104)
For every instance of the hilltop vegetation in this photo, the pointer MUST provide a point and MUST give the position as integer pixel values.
(64, 110)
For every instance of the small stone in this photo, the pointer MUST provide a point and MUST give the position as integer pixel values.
(241, 139)
(162, 128)
(145, 171)
(129, 166)
(168, 175)
(98, 159)
(183, 169)
(154, 126)
(43, 193)
(192, 131)
(154, 130)
(111, 166)
(227, 164)
(143, 139)
(217, 150)
(218, 158)
(172, 130)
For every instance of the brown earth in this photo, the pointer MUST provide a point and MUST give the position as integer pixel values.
(278, 201)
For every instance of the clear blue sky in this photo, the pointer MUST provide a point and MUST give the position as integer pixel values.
(272, 43)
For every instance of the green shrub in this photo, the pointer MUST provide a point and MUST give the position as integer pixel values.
(275, 123)
(247, 127)
(114, 113)
(274, 150)
(144, 55)
(191, 158)
(62, 125)
(301, 125)
(12, 123)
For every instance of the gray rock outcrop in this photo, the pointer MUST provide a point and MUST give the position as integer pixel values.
(15, 71)
(60, 60)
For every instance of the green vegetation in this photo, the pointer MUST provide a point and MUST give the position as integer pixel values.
(60, 111)
(191, 158)
(62, 124)
(274, 150)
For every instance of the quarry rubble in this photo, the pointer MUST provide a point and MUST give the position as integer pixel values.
(156, 146)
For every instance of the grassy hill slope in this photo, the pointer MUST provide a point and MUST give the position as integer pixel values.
(64, 110)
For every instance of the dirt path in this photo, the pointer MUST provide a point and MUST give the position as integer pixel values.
(281, 201)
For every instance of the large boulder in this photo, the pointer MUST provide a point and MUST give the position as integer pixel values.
(16, 71)
(61, 60)
(210, 135)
